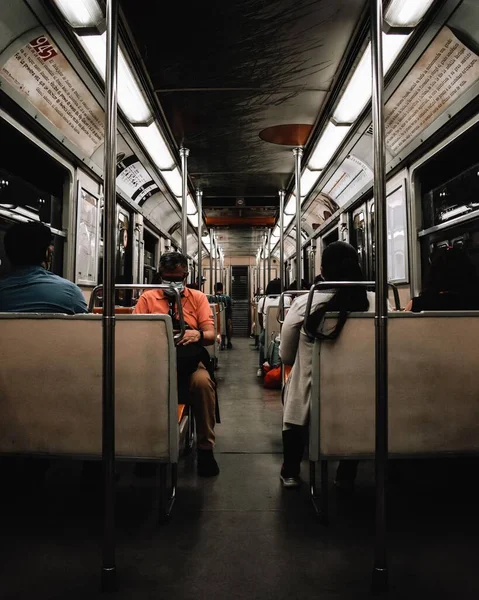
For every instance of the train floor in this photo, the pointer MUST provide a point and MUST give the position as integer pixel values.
(240, 535)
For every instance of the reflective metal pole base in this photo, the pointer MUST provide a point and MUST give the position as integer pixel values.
(380, 581)
(108, 580)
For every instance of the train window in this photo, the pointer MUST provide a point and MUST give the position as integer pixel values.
(359, 237)
(150, 256)
(450, 181)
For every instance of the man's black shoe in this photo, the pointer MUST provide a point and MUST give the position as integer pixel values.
(207, 465)
(229, 346)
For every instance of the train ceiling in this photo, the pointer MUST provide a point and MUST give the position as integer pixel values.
(224, 72)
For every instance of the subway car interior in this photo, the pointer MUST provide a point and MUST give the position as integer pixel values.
(251, 137)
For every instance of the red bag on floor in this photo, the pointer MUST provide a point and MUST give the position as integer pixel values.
(272, 379)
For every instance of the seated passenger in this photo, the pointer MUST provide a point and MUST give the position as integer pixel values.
(173, 269)
(339, 263)
(273, 294)
(30, 288)
(451, 283)
(228, 302)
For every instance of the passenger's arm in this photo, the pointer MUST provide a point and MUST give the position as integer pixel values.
(79, 302)
(409, 306)
(290, 333)
(205, 323)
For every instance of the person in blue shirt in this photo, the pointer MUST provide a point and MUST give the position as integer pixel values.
(29, 287)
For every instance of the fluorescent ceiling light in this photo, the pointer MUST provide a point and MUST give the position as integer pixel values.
(154, 144)
(193, 219)
(290, 208)
(80, 13)
(130, 96)
(173, 179)
(287, 219)
(330, 140)
(308, 179)
(190, 206)
(407, 13)
(358, 91)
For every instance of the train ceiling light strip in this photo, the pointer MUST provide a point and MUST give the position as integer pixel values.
(330, 140)
(130, 96)
(406, 13)
(156, 147)
(80, 13)
(190, 206)
(358, 91)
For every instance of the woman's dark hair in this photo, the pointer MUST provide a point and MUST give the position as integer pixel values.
(294, 286)
(26, 244)
(451, 270)
(273, 287)
(339, 262)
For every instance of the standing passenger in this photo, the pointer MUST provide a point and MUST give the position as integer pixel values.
(30, 288)
(173, 269)
(339, 263)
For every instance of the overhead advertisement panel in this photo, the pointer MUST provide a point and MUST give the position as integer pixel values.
(134, 180)
(40, 72)
(443, 74)
(352, 176)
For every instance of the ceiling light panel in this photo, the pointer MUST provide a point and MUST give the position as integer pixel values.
(130, 96)
(80, 13)
(190, 206)
(287, 220)
(407, 13)
(290, 208)
(358, 91)
(173, 179)
(156, 147)
(308, 179)
(330, 140)
(193, 219)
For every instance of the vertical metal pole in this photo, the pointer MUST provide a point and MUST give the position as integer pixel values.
(199, 206)
(380, 572)
(216, 263)
(298, 153)
(263, 255)
(211, 261)
(282, 194)
(184, 153)
(268, 241)
(108, 573)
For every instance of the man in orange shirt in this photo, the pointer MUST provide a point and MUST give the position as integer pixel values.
(173, 269)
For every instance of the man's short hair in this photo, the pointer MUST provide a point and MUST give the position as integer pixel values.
(219, 287)
(26, 244)
(171, 260)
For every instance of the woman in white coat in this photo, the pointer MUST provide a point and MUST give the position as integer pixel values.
(339, 263)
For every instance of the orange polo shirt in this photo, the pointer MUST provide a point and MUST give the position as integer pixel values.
(196, 308)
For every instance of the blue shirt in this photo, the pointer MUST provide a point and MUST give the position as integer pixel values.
(36, 290)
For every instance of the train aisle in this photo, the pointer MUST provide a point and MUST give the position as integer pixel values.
(238, 536)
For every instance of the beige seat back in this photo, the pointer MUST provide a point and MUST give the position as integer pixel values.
(212, 348)
(271, 326)
(51, 386)
(433, 387)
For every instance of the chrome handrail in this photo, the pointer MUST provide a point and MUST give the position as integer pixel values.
(324, 285)
(139, 286)
(292, 294)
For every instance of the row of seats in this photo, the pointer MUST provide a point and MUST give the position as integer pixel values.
(62, 355)
(433, 381)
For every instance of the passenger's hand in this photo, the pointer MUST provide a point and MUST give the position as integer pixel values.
(191, 337)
